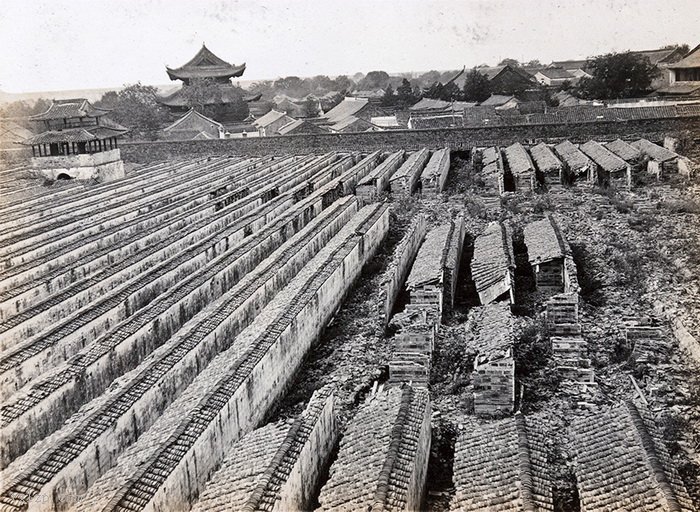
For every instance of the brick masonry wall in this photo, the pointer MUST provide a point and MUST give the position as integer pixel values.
(454, 138)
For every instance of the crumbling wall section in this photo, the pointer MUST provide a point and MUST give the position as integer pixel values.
(400, 266)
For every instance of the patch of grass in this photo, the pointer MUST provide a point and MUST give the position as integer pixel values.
(510, 204)
(642, 223)
(591, 286)
(534, 366)
(543, 203)
(680, 206)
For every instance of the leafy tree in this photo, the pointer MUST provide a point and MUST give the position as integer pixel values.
(617, 75)
(292, 86)
(434, 91)
(342, 83)
(509, 62)
(137, 108)
(684, 48)
(428, 79)
(476, 86)
(310, 107)
(108, 100)
(450, 92)
(405, 95)
(374, 80)
(389, 98)
(533, 63)
(21, 110)
(206, 96)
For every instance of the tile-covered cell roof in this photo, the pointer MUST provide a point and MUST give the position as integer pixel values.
(377, 453)
(518, 160)
(493, 255)
(490, 328)
(544, 158)
(572, 155)
(602, 156)
(622, 464)
(545, 241)
(502, 466)
(654, 151)
(623, 150)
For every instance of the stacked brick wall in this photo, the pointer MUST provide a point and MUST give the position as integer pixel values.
(410, 140)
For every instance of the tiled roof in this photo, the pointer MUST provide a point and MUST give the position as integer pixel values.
(518, 160)
(496, 100)
(436, 121)
(654, 151)
(259, 464)
(680, 88)
(556, 73)
(415, 159)
(68, 109)
(502, 466)
(490, 328)
(193, 120)
(692, 60)
(385, 121)
(231, 486)
(377, 453)
(75, 135)
(428, 265)
(621, 463)
(544, 158)
(603, 157)
(570, 64)
(624, 150)
(217, 94)
(493, 255)
(545, 241)
(657, 56)
(346, 108)
(13, 132)
(269, 118)
(357, 123)
(205, 65)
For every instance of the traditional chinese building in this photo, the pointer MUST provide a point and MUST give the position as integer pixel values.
(205, 67)
(78, 141)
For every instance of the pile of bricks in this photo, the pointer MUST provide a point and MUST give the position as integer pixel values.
(569, 347)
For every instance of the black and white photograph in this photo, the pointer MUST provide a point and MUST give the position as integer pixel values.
(349, 255)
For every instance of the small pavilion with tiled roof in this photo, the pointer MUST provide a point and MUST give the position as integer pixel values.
(78, 141)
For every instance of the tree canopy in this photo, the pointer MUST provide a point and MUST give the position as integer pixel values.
(509, 62)
(476, 86)
(617, 75)
(136, 107)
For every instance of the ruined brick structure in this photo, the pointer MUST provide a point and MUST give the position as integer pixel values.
(548, 252)
(491, 335)
(403, 182)
(493, 264)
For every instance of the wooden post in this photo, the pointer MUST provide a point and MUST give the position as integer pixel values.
(33, 151)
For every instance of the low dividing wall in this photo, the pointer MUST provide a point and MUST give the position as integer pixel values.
(393, 140)
(400, 266)
(250, 377)
(175, 364)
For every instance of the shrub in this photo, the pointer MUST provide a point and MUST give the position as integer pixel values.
(543, 203)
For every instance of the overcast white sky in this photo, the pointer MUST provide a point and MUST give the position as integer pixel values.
(74, 44)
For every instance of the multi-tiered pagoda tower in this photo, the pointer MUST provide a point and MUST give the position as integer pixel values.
(78, 142)
(206, 67)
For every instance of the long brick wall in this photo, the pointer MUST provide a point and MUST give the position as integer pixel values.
(453, 138)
